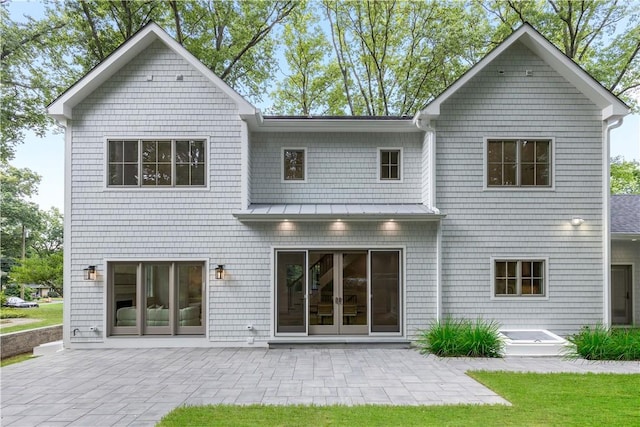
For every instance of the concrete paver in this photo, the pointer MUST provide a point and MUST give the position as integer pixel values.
(137, 387)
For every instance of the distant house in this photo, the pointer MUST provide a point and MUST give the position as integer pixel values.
(38, 290)
(191, 219)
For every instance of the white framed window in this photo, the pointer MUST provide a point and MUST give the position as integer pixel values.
(390, 164)
(294, 164)
(156, 162)
(519, 277)
(518, 162)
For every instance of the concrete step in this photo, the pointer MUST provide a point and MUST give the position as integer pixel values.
(48, 348)
(339, 343)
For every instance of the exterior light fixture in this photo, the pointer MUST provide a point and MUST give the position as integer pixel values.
(220, 272)
(576, 221)
(90, 273)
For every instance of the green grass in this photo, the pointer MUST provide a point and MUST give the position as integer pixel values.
(47, 315)
(16, 359)
(537, 399)
(461, 337)
(600, 343)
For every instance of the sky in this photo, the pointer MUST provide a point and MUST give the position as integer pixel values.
(46, 155)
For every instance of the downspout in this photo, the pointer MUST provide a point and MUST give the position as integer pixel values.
(66, 245)
(424, 124)
(606, 223)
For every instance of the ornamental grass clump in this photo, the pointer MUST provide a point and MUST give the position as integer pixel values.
(600, 343)
(462, 337)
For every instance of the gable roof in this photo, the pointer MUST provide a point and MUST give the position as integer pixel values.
(612, 107)
(625, 214)
(62, 108)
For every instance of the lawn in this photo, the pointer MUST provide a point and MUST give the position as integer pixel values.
(537, 399)
(48, 314)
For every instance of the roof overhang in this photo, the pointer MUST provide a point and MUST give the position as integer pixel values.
(62, 108)
(259, 123)
(633, 237)
(337, 212)
(611, 106)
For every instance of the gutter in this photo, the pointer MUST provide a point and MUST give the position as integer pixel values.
(423, 122)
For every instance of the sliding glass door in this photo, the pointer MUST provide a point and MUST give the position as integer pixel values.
(346, 292)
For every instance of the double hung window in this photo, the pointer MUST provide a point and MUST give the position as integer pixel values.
(156, 163)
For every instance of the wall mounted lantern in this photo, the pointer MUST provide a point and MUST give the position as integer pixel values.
(220, 272)
(576, 221)
(90, 273)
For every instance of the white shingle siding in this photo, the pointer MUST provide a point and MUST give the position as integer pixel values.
(197, 223)
(527, 223)
(341, 168)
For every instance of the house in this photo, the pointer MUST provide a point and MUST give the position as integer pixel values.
(625, 259)
(194, 220)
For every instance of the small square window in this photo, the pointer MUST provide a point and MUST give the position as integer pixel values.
(294, 164)
(390, 164)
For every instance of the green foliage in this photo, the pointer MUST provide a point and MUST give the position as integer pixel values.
(12, 313)
(600, 35)
(43, 270)
(536, 400)
(625, 176)
(3, 298)
(461, 337)
(600, 343)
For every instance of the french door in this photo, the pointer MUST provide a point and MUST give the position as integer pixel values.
(346, 292)
(338, 293)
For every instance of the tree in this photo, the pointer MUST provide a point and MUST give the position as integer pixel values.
(625, 176)
(27, 57)
(41, 270)
(311, 80)
(393, 57)
(19, 216)
(42, 58)
(600, 35)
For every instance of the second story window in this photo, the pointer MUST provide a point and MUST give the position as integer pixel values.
(294, 164)
(519, 163)
(390, 163)
(156, 163)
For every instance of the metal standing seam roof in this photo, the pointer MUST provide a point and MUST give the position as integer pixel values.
(625, 213)
(345, 212)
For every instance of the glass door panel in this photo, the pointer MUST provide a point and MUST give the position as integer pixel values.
(385, 291)
(157, 298)
(352, 296)
(124, 313)
(322, 310)
(290, 292)
(190, 286)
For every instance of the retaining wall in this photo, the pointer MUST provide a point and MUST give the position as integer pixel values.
(24, 341)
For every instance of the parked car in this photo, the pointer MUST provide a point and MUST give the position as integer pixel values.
(20, 303)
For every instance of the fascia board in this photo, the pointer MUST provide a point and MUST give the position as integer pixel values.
(333, 125)
(62, 107)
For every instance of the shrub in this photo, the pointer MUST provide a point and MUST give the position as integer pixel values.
(461, 337)
(12, 313)
(600, 343)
